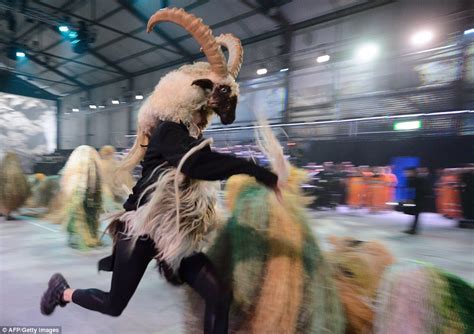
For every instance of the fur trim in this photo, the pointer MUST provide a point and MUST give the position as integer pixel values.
(158, 217)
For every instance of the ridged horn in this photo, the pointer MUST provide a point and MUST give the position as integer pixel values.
(236, 52)
(201, 33)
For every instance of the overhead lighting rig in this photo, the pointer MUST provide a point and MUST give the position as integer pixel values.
(79, 34)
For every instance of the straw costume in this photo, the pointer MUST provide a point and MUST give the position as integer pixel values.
(279, 279)
(14, 186)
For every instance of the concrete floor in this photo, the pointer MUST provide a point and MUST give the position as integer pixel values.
(31, 250)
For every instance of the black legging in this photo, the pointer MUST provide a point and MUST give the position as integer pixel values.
(128, 269)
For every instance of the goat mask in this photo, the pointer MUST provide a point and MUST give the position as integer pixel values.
(219, 85)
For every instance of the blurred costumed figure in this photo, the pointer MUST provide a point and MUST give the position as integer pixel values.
(44, 191)
(267, 253)
(14, 186)
(119, 181)
(419, 298)
(81, 197)
(357, 268)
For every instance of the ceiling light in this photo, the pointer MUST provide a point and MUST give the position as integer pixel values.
(262, 71)
(410, 125)
(422, 37)
(284, 69)
(72, 34)
(92, 106)
(323, 59)
(367, 52)
(469, 31)
(138, 97)
(63, 28)
(75, 109)
(115, 102)
(101, 107)
(20, 54)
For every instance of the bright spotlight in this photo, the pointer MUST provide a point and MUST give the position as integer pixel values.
(409, 125)
(284, 69)
(262, 71)
(138, 97)
(92, 106)
(20, 54)
(422, 37)
(469, 31)
(367, 52)
(63, 28)
(72, 34)
(323, 59)
(75, 109)
(115, 102)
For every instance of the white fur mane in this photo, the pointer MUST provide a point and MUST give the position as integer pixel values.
(175, 98)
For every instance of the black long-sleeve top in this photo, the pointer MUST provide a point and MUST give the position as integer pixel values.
(170, 142)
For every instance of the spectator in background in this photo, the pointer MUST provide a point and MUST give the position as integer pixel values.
(417, 180)
(467, 193)
(391, 182)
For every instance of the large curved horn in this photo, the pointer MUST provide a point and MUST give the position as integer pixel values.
(236, 52)
(201, 32)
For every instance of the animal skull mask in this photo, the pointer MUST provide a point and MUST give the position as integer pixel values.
(218, 83)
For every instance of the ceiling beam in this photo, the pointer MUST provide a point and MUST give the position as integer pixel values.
(110, 63)
(371, 4)
(47, 54)
(103, 17)
(184, 37)
(187, 36)
(95, 23)
(56, 71)
(39, 27)
(144, 19)
(102, 58)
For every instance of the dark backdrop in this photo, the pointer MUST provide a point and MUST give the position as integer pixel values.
(434, 152)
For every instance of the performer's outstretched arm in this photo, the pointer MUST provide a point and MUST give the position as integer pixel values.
(173, 141)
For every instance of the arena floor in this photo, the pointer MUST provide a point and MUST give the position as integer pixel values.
(31, 250)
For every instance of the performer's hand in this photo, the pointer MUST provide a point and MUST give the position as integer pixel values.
(278, 194)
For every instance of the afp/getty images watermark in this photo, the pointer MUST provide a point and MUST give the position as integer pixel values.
(31, 329)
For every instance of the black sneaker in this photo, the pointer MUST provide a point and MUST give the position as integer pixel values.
(54, 294)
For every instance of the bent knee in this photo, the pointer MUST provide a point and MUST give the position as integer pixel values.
(114, 311)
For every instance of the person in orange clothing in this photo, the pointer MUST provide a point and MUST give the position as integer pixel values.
(354, 189)
(391, 182)
(448, 200)
(441, 193)
(365, 193)
(376, 190)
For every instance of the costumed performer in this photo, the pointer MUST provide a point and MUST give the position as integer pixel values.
(172, 206)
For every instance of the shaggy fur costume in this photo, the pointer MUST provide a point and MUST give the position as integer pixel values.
(419, 298)
(280, 281)
(267, 253)
(175, 237)
(81, 197)
(14, 186)
(119, 182)
(357, 268)
(44, 191)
